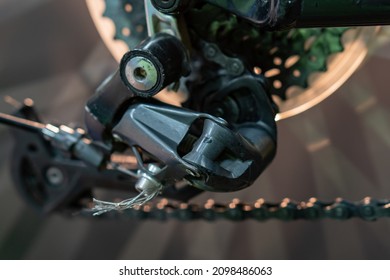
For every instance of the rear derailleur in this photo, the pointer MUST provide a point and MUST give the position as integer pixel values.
(147, 147)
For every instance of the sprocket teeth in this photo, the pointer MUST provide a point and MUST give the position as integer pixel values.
(129, 19)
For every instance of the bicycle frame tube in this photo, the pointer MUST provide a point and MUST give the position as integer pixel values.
(326, 13)
(282, 14)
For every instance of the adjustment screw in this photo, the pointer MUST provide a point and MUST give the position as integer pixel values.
(141, 73)
(55, 176)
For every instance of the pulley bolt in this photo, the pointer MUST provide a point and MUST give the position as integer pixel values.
(153, 65)
(141, 73)
(54, 175)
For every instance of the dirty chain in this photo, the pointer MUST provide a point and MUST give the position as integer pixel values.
(368, 209)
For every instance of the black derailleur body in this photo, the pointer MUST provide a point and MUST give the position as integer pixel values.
(211, 151)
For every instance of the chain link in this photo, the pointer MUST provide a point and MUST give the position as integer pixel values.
(367, 209)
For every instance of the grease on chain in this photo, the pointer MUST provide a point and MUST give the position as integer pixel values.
(368, 209)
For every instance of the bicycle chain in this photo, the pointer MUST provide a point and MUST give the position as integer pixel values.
(368, 209)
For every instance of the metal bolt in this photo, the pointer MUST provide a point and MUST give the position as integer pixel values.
(148, 183)
(141, 73)
(210, 51)
(54, 175)
(235, 68)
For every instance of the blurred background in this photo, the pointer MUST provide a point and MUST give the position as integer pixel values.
(51, 52)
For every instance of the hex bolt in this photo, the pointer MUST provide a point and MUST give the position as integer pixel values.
(141, 73)
(155, 64)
